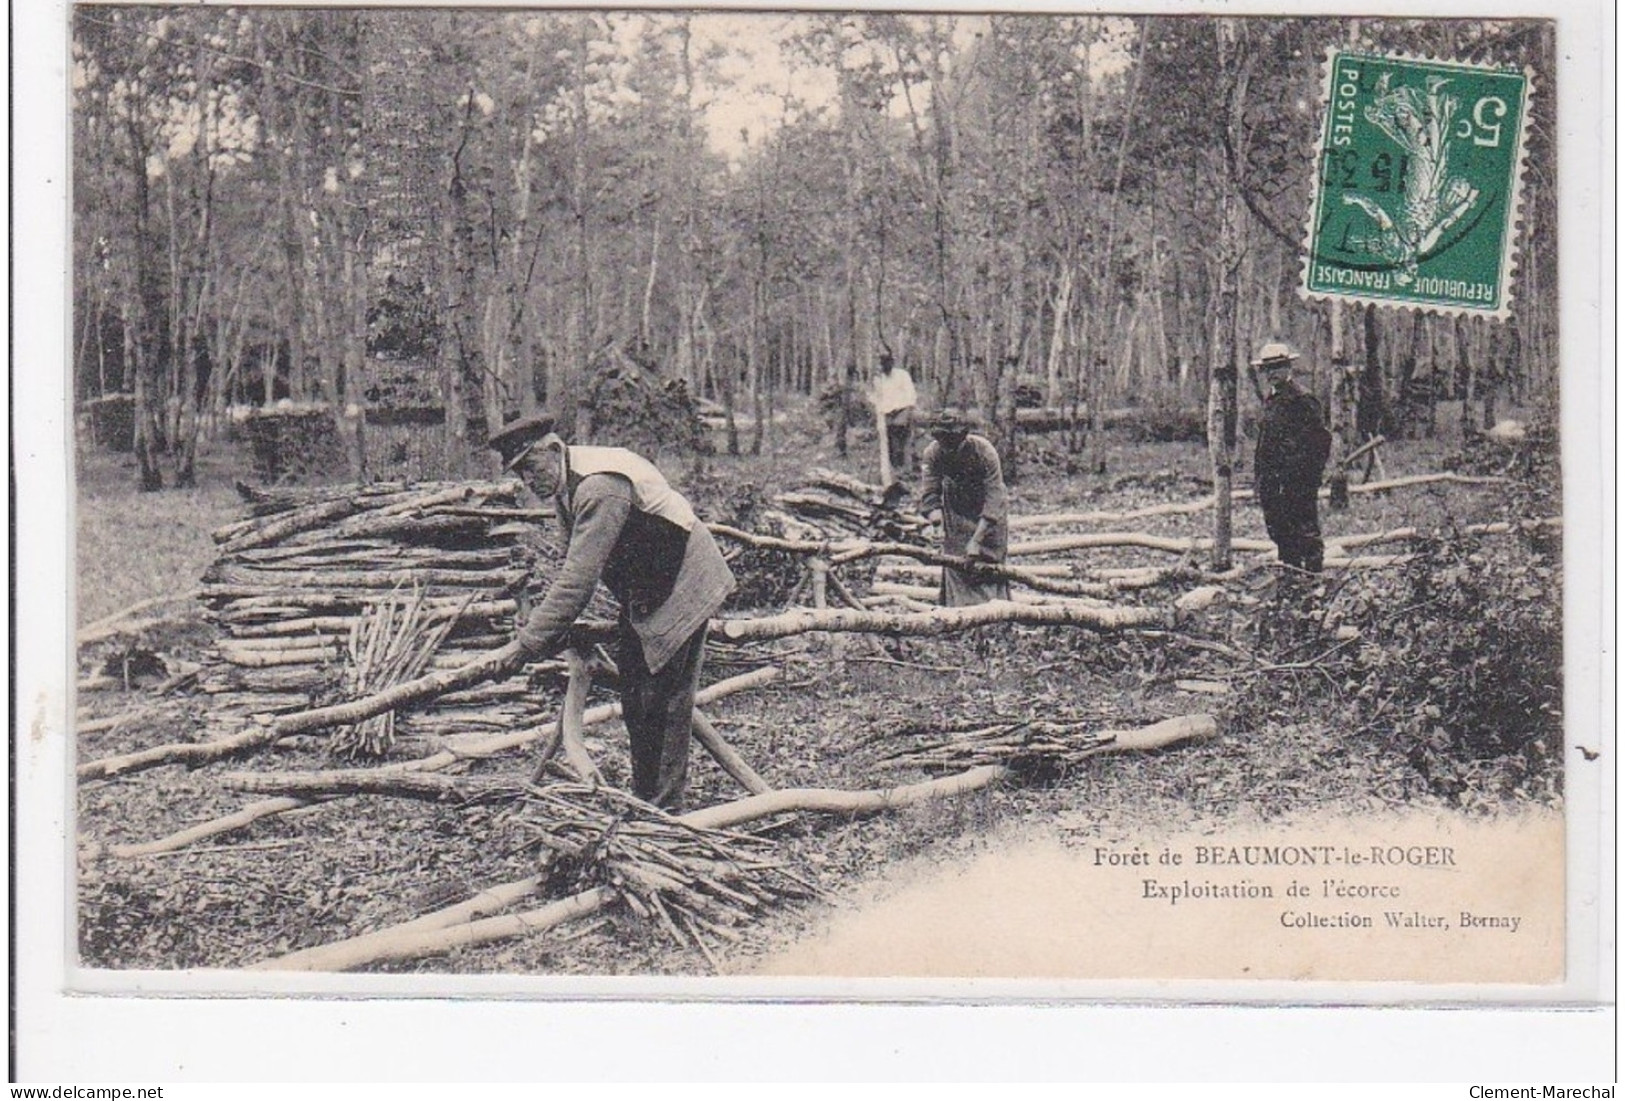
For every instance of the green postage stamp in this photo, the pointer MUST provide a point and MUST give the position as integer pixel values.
(1417, 181)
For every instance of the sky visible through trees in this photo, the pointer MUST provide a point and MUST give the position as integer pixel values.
(484, 210)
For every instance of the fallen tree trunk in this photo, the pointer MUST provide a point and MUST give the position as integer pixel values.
(262, 579)
(1048, 519)
(1041, 582)
(930, 595)
(920, 569)
(461, 925)
(178, 753)
(1195, 544)
(415, 944)
(341, 625)
(943, 620)
(1190, 545)
(484, 746)
(451, 928)
(429, 786)
(853, 550)
(779, 542)
(1405, 535)
(1201, 504)
(1106, 581)
(487, 667)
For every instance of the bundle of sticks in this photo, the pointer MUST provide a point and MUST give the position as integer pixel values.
(784, 559)
(297, 582)
(391, 642)
(840, 506)
(1040, 751)
(691, 881)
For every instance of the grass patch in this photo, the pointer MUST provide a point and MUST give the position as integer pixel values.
(131, 546)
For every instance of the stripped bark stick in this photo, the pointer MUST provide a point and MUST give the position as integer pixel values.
(430, 786)
(1203, 503)
(942, 620)
(468, 750)
(488, 666)
(1090, 540)
(461, 924)
(570, 721)
(451, 927)
(931, 595)
(727, 756)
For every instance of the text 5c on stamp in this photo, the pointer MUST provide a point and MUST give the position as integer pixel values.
(1417, 180)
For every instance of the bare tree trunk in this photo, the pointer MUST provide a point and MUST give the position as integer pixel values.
(143, 324)
(576, 375)
(1466, 374)
(1222, 382)
(1339, 411)
(1370, 411)
(1221, 424)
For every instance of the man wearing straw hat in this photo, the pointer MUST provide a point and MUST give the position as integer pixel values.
(1293, 446)
(630, 529)
(964, 491)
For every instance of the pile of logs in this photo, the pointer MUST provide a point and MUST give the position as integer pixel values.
(785, 560)
(295, 582)
(838, 506)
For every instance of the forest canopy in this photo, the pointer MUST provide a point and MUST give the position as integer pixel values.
(310, 204)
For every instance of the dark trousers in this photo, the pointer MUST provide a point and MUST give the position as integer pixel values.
(897, 433)
(1293, 522)
(659, 712)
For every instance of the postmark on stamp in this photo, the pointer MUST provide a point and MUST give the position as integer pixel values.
(1417, 180)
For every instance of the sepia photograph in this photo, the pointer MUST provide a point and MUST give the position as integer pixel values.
(843, 504)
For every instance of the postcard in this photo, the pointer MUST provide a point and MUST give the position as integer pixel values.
(672, 514)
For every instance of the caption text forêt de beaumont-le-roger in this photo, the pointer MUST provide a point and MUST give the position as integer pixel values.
(1318, 886)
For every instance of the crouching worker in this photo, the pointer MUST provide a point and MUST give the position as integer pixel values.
(964, 492)
(627, 527)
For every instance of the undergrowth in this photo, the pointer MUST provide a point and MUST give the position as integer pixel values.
(1452, 658)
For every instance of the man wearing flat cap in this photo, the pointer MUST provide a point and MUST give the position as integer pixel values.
(627, 527)
(1293, 446)
(964, 491)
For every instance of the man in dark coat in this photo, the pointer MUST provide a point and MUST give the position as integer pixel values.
(964, 491)
(1293, 446)
(627, 527)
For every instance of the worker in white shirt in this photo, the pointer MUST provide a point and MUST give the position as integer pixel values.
(893, 395)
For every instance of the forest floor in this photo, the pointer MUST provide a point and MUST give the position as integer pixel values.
(1297, 738)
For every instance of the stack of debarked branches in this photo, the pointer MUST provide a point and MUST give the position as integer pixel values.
(323, 593)
(691, 881)
(392, 641)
